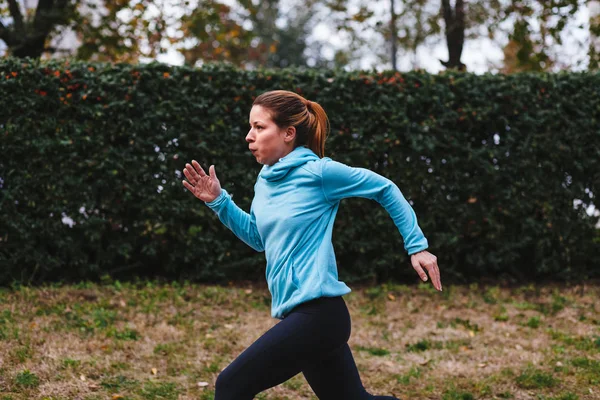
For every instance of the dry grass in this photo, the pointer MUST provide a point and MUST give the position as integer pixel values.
(156, 341)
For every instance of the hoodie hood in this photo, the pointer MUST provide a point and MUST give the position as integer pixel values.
(299, 156)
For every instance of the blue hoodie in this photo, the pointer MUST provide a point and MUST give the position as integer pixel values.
(291, 219)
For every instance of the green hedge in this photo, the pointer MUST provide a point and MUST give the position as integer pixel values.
(492, 165)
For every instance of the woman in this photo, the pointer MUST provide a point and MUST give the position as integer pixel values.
(297, 195)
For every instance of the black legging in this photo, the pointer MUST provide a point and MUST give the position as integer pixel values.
(311, 339)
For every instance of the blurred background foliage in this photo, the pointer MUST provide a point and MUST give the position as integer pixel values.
(500, 169)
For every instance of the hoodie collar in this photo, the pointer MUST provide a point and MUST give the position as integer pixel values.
(297, 157)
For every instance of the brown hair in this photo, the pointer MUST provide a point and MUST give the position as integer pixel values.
(291, 109)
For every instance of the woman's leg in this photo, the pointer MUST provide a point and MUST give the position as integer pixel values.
(304, 336)
(335, 376)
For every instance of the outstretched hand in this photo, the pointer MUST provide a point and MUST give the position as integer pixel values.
(205, 187)
(425, 259)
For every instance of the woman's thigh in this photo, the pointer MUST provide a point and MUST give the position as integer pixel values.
(306, 335)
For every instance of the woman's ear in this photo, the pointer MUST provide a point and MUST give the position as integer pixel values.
(290, 134)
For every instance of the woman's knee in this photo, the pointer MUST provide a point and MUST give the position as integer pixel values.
(224, 386)
(229, 387)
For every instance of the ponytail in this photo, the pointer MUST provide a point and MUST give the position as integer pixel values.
(318, 128)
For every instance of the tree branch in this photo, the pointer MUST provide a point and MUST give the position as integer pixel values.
(15, 12)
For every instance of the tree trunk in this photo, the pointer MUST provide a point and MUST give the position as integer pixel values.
(29, 47)
(455, 33)
(394, 35)
(594, 52)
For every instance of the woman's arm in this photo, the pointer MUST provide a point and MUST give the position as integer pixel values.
(341, 181)
(240, 222)
(207, 188)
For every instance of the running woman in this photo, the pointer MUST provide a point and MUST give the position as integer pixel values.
(296, 198)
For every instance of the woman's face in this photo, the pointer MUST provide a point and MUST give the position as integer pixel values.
(267, 142)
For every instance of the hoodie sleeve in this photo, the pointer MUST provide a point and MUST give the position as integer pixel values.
(240, 222)
(341, 181)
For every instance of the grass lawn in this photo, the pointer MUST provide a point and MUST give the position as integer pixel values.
(169, 341)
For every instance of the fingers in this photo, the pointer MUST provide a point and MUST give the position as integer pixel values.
(429, 262)
(211, 171)
(193, 172)
(434, 272)
(417, 266)
(198, 168)
(192, 177)
(188, 186)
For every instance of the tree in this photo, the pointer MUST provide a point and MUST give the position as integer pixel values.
(532, 49)
(28, 33)
(103, 34)
(533, 27)
(218, 36)
(417, 23)
(124, 30)
(247, 35)
(127, 30)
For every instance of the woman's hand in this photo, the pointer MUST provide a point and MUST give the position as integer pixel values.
(425, 259)
(205, 187)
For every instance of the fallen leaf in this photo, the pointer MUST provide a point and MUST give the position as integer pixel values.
(202, 384)
(117, 397)
(122, 303)
(481, 365)
(559, 364)
(208, 336)
(424, 362)
(519, 347)
(228, 326)
(471, 333)
(391, 297)
(82, 377)
(248, 291)
(154, 371)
